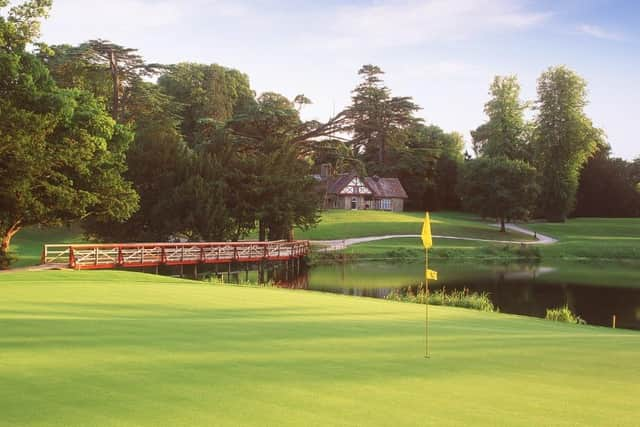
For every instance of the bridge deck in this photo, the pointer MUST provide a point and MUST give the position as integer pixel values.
(89, 256)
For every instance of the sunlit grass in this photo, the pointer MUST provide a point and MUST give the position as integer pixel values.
(344, 224)
(117, 349)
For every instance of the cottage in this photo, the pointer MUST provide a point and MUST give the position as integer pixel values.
(350, 191)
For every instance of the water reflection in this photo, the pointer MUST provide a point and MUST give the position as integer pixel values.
(594, 291)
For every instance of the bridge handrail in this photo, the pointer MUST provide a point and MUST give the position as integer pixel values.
(268, 250)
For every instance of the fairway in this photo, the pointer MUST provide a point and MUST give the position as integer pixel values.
(123, 349)
(344, 224)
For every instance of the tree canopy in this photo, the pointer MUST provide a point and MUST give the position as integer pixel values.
(61, 156)
(564, 139)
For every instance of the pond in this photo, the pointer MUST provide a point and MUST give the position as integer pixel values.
(596, 291)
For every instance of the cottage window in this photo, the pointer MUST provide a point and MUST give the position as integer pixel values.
(385, 204)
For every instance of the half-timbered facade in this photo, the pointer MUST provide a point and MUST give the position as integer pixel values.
(350, 191)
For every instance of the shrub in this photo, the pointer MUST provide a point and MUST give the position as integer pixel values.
(563, 314)
(456, 298)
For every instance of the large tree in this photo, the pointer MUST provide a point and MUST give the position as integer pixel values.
(426, 160)
(374, 116)
(277, 146)
(61, 155)
(498, 188)
(158, 163)
(564, 138)
(125, 65)
(504, 134)
(209, 93)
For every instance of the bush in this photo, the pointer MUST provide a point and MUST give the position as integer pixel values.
(563, 314)
(455, 298)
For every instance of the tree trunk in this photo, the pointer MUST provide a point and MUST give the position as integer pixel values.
(502, 227)
(381, 149)
(290, 236)
(113, 65)
(5, 245)
(262, 232)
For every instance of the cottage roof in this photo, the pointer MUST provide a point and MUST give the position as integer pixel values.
(337, 183)
(380, 187)
(386, 187)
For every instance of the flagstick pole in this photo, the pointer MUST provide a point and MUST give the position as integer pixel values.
(426, 303)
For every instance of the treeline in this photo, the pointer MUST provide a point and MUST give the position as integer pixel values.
(85, 135)
(537, 168)
(143, 151)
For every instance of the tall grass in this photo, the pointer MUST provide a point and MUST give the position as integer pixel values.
(456, 298)
(563, 314)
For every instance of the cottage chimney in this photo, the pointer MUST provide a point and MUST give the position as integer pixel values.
(325, 170)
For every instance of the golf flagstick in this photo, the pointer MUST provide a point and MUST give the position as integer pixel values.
(426, 303)
(427, 243)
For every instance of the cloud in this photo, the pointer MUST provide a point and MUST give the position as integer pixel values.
(74, 21)
(599, 32)
(410, 22)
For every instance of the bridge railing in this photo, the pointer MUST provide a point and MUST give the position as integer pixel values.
(88, 256)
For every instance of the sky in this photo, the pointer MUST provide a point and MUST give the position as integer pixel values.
(443, 53)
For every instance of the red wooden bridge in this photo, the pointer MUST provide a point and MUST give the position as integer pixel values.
(89, 256)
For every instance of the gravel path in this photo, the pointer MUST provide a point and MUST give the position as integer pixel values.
(335, 245)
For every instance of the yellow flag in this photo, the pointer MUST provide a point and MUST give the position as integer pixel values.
(432, 275)
(426, 232)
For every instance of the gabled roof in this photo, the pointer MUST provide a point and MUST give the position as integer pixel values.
(386, 187)
(337, 183)
(380, 187)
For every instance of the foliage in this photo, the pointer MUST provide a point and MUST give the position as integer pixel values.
(564, 139)
(505, 132)
(375, 116)
(607, 188)
(61, 156)
(208, 94)
(21, 24)
(284, 194)
(498, 188)
(563, 314)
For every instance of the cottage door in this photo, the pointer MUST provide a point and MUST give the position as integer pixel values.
(354, 203)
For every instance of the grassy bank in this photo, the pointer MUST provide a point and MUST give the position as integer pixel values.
(579, 239)
(120, 348)
(411, 248)
(607, 238)
(344, 224)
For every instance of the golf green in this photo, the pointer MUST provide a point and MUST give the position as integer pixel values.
(127, 349)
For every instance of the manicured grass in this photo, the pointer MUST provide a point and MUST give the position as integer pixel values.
(411, 248)
(119, 348)
(27, 244)
(344, 224)
(579, 238)
(608, 238)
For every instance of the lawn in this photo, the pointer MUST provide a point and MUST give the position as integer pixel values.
(118, 348)
(411, 248)
(344, 224)
(27, 244)
(579, 238)
(607, 238)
